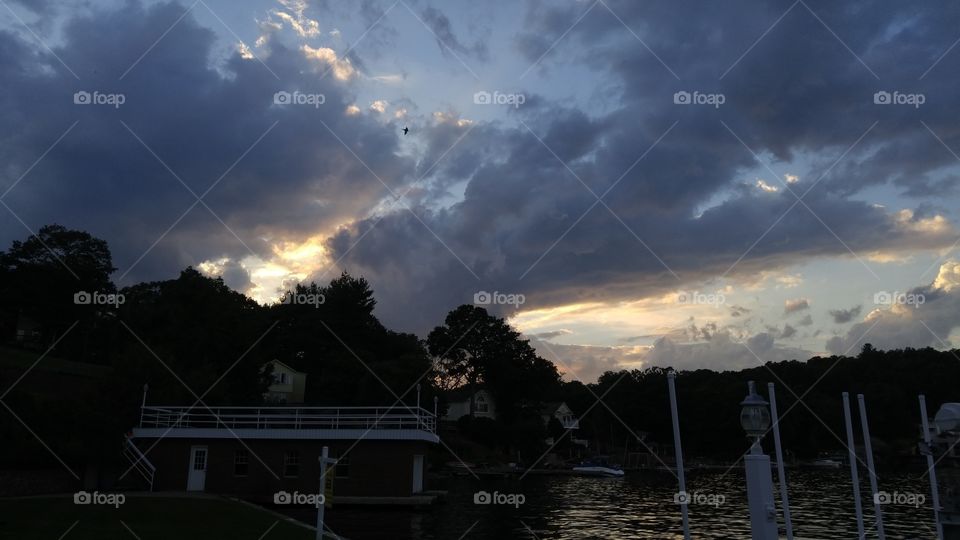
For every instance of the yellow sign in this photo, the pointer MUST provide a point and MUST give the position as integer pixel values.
(328, 487)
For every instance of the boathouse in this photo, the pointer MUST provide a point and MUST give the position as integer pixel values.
(256, 452)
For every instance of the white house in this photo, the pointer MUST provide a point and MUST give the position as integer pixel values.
(459, 404)
(561, 412)
(567, 419)
(288, 384)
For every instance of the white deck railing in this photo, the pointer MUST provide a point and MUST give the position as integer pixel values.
(267, 418)
(139, 462)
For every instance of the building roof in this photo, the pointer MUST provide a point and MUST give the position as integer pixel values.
(549, 408)
(275, 361)
(463, 393)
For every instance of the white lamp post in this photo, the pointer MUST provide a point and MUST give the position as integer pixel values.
(143, 404)
(755, 419)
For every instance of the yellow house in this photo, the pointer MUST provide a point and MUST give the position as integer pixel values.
(288, 383)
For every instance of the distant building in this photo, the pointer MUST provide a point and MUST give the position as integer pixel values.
(288, 384)
(565, 415)
(459, 400)
(28, 331)
(562, 413)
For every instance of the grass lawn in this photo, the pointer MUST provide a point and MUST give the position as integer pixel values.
(148, 518)
(19, 358)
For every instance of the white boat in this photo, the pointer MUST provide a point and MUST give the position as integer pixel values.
(598, 467)
(826, 464)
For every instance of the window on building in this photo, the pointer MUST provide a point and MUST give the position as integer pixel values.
(291, 463)
(482, 405)
(342, 468)
(241, 463)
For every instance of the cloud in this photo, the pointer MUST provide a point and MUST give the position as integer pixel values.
(303, 26)
(526, 223)
(788, 332)
(270, 174)
(442, 30)
(789, 281)
(552, 334)
(842, 316)
(924, 316)
(233, 273)
(795, 304)
(764, 186)
(721, 352)
(500, 205)
(586, 363)
(342, 67)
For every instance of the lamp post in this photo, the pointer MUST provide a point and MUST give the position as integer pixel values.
(419, 423)
(755, 419)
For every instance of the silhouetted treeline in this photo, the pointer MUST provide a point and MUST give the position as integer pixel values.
(196, 342)
(77, 352)
(808, 398)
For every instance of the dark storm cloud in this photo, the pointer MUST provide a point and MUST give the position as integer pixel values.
(440, 25)
(788, 332)
(37, 6)
(842, 316)
(798, 95)
(527, 224)
(786, 94)
(236, 276)
(200, 120)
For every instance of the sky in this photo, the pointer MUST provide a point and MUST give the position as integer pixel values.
(632, 184)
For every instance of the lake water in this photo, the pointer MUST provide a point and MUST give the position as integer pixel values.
(640, 506)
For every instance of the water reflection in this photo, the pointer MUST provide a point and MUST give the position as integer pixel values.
(640, 506)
